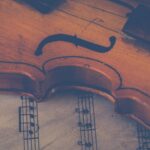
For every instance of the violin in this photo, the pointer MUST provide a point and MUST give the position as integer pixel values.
(75, 46)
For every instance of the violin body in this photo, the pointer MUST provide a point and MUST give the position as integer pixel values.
(74, 47)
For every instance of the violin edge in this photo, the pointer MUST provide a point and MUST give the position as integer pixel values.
(105, 80)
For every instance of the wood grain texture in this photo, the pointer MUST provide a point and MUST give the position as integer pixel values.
(122, 73)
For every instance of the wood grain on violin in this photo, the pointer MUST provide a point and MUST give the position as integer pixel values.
(78, 45)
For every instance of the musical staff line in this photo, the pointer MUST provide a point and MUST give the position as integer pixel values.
(28, 123)
(86, 122)
(143, 137)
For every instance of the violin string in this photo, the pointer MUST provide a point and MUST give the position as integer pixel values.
(87, 20)
(100, 9)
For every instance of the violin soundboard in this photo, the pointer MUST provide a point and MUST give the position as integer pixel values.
(79, 45)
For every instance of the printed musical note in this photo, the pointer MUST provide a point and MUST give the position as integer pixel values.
(28, 123)
(86, 144)
(84, 111)
(86, 122)
(87, 125)
(30, 132)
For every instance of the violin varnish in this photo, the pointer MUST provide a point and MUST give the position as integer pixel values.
(44, 6)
